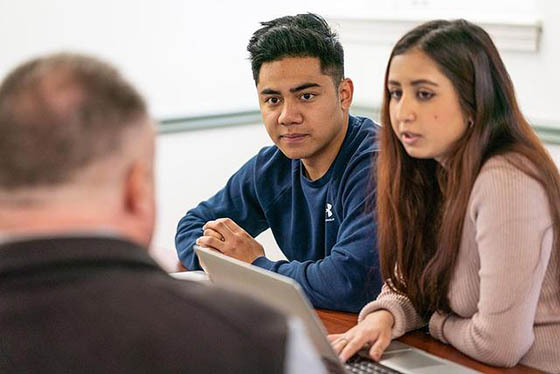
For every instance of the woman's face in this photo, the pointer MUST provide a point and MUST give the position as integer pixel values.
(424, 106)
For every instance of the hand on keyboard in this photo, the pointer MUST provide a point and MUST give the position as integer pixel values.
(375, 329)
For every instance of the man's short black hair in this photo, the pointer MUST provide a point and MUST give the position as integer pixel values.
(303, 35)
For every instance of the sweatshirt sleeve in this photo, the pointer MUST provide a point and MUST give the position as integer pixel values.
(405, 316)
(514, 235)
(237, 200)
(349, 276)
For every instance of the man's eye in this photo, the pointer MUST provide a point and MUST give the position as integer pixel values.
(307, 96)
(272, 100)
(425, 95)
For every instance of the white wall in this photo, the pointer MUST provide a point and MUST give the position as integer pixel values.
(191, 167)
(189, 57)
(535, 74)
(554, 150)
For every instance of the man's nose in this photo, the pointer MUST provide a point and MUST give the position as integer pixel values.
(291, 114)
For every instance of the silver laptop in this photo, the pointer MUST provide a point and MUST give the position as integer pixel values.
(286, 295)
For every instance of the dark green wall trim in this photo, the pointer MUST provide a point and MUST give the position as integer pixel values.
(548, 133)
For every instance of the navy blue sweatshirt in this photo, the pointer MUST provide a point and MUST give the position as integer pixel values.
(325, 228)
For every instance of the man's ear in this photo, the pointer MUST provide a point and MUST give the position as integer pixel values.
(139, 203)
(346, 93)
(138, 194)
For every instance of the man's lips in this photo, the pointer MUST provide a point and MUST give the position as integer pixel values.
(291, 138)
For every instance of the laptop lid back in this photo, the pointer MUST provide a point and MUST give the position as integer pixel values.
(275, 290)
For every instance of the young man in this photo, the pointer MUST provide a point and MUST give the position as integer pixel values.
(313, 187)
(79, 292)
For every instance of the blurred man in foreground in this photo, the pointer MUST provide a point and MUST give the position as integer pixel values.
(78, 291)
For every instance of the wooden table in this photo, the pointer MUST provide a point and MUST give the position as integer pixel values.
(339, 322)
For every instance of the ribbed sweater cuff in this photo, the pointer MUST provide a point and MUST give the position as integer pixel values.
(437, 322)
(393, 308)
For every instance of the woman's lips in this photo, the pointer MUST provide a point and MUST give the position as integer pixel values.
(409, 138)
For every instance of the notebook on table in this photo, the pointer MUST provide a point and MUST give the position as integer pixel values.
(286, 295)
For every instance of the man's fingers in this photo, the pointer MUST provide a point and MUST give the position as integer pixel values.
(213, 233)
(223, 224)
(210, 242)
(232, 240)
(231, 225)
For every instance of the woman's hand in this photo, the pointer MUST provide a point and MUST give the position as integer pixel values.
(375, 329)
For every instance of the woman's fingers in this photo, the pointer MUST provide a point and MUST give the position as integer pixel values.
(339, 344)
(333, 337)
(375, 329)
(380, 345)
(354, 345)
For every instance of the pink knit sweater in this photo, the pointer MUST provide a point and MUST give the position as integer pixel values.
(505, 291)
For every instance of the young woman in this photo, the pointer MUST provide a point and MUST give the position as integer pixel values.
(468, 208)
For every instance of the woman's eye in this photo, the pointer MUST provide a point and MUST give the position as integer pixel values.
(425, 95)
(395, 94)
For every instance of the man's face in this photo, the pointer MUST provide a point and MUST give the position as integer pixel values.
(305, 114)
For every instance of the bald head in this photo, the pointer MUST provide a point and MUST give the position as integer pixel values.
(58, 115)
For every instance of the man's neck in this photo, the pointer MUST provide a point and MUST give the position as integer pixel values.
(317, 166)
(103, 232)
(54, 221)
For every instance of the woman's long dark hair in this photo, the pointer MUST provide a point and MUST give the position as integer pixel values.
(421, 206)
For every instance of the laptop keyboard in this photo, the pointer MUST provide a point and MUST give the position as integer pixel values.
(360, 365)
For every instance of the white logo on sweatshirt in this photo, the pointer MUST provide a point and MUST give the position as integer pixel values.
(328, 213)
